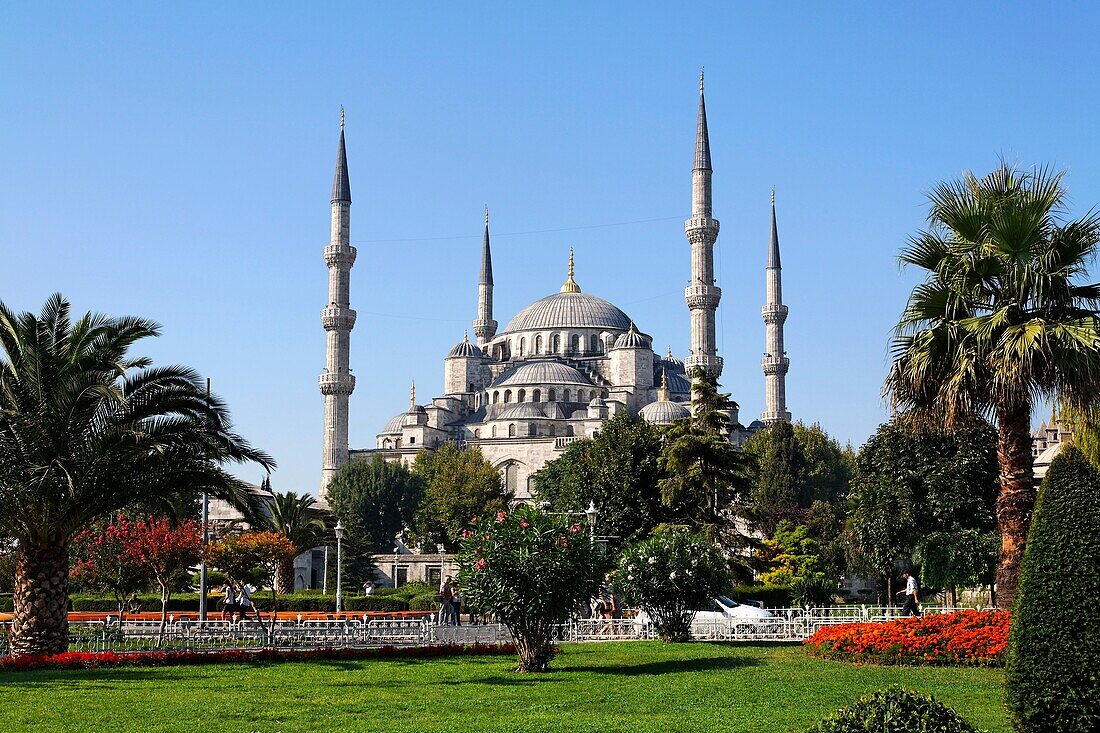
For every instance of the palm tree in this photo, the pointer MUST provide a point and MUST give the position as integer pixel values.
(299, 519)
(999, 322)
(85, 430)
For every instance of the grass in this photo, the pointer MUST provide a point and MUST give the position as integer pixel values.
(631, 687)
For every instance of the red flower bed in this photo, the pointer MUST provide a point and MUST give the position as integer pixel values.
(88, 660)
(962, 638)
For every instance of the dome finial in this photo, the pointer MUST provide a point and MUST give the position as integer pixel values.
(466, 336)
(570, 285)
(632, 329)
(412, 395)
(662, 393)
(668, 354)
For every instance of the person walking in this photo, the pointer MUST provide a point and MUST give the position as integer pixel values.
(446, 594)
(229, 603)
(245, 604)
(911, 606)
(456, 607)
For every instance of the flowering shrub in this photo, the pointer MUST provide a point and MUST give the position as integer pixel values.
(98, 660)
(977, 638)
(531, 570)
(670, 576)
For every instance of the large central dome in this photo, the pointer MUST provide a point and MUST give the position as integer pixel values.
(568, 310)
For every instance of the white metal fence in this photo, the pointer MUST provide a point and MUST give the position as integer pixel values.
(785, 625)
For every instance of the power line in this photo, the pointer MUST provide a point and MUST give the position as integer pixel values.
(518, 234)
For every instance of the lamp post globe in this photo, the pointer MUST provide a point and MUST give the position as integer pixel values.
(590, 513)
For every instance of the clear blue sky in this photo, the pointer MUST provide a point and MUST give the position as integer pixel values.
(176, 162)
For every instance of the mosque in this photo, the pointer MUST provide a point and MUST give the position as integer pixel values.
(559, 368)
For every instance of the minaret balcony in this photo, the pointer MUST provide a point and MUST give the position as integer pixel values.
(701, 230)
(336, 384)
(339, 255)
(712, 365)
(704, 297)
(774, 313)
(773, 365)
(770, 418)
(335, 318)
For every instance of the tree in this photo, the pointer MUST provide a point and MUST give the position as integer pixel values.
(375, 500)
(301, 520)
(86, 429)
(531, 570)
(1054, 644)
(703, 473)
(239, 554)
(166, 550)
(781, 463)
(1000, 320)
(791, 554)
(104, 561)
(458, 484)
(669, 576)
(617, 471)
(827, 467)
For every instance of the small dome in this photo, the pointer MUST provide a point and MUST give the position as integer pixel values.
(756, 425)
(541, 372)
(521, 411)
(597, 402)
(631, 340)
(416, 410)
(664, 413)
(393, 427)
(672, 361)
(464, 350)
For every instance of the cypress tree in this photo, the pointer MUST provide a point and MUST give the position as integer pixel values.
(1052, 681)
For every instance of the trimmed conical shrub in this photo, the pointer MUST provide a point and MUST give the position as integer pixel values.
(1052, 681)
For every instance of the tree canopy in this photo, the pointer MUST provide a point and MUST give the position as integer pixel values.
(458, 484)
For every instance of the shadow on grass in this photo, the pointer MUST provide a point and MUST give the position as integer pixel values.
(667, 666)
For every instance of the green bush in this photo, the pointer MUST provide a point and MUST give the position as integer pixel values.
(374, 603)
(813, 591)
(1051, 681)
(7, 604)
(769, 596)
(214, 579)
(424, 602)
(897, 711)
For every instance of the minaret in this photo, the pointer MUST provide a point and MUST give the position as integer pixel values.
(484, 325)
(336, 381)
(775, 362)
(702, 295)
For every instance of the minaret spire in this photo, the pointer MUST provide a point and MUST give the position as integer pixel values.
(775, 362)
(336, 381)
(484, 325)
(702, 295)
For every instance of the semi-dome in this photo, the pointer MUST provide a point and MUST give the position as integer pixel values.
(464, 349)
(542, 372)
(521, 412)
(664, 412)
(568, 310)
(631, 340)
(393, 427)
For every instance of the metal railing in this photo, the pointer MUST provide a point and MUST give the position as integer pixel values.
(785, 625)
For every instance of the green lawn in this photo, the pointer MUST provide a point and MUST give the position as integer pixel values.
(630, 687)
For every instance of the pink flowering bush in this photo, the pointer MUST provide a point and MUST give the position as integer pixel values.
(670, 575)
(531, 570)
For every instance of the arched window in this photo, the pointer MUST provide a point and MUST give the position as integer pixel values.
(511, 476)
(536, 395)
(595, 341)
(522, 397)
(511, 430)
(477, 432)
(387, 443)
(576, 343)
(565, 395)
(522, 346)
(556, 347)
(553, 430)
(552, 397)
(538, 344)
(507, 396)
(494, 431)
(592, 395)
(568, 430)
(496, 396)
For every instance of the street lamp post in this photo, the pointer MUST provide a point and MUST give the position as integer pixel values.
(324, 575)
(339, 586)
(205, 539)
(590, 514)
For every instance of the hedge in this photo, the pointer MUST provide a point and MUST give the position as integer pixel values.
(1051, 680)
(424, 602)
(295, 602)
(769, 596)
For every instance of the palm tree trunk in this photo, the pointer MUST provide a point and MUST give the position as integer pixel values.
(284, 579)
(40, 622)
(1017, 497)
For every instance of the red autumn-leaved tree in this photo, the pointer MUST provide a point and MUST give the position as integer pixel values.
(104, 561)
(166, 550)
(238, 554)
